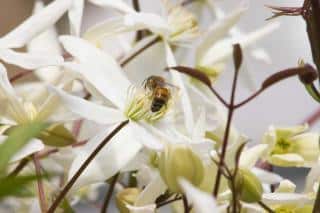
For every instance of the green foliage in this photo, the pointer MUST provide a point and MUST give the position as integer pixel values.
(16, 186)
(57, 135)
(17, 138)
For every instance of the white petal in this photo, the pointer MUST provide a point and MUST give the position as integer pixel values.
(142, 209)
(120, 150)
(75, 16)
(202, 202)
(35, 24)
(31, 147)
(285, 198)
(178, 81)
(262, 55)
(102, 70)
(130, 22)
(30, 60)
(149, 21)
(146, 138)
(289, 159)
(313, 177)
(250, 156)
(5, 85)
(89, 110)
(223, 49)
(219, 30)
(266, 176)
(46, 44)
(118, 4)
(286, 186)
(151, 192)
(200, 127)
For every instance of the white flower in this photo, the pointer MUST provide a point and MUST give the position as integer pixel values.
(291, 146)
(29, 29)
(104, 78)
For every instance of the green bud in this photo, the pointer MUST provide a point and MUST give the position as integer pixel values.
(248, 186)
(177, 161)
(57, 135)
(126, 197)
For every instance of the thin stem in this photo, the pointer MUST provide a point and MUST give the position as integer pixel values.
(219, 97)
(313, 118)
(146, 46)
(186, 2)
(159, 205)
(20, 167)
(42, 198)
(106, 202)
(231, 109)
(254, 95)
(265, 207)
(185, 204)
(316, 207)
(84, 166)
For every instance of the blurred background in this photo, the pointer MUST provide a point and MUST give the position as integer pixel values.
(285, 104)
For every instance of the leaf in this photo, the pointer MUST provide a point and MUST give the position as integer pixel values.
(193, 73)
(17, 138)
(16, 186)
(57, 135)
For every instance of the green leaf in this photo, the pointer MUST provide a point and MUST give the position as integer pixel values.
(17, 138)
(66, 207)
(57, 135)
(16, 186)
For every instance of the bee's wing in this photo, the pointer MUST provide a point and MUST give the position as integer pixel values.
(174, 90)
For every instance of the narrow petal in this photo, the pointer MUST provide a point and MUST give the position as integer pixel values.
(218, 30)
(223, 49)
(45, 43)
(178, 81)
(102, 70)
(286, 160)
(151, 192)
(119, 5)
(130, 22)
(30, 60)
(202, 202)
(312, 178)
(250, 156)
(285, 198)
(146, 138)
(142, 209)
(91, 111)
(35, 24)
(266, 176)
(75, 16)
(5, 85)
(119, 151)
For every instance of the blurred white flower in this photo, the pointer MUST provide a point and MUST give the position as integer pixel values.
(292, 146)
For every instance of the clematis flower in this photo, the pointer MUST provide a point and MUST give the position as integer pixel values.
(26, 31)
(291, 146)
(103, 77)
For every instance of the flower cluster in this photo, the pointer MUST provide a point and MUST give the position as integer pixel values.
(121, 109)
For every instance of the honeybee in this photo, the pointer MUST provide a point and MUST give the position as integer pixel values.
(160, 92)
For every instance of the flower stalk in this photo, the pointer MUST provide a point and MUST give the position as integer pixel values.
(85, 164)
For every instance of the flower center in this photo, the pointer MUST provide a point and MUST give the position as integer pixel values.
(282, 146)
(140, 106)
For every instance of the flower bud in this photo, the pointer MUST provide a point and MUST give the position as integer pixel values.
(248, 186)
(126, 197)
(179, 160)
